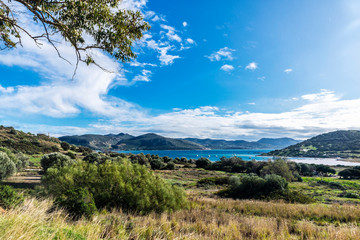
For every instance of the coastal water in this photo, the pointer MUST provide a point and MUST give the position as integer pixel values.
(246, 154)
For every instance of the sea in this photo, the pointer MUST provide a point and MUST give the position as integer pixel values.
(245, 154)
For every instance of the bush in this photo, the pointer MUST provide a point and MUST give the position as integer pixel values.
(56, 160)
(65, 146)
(7, 167)
(131, 187)
(157, 164)
(255, 187)
(350, 195)
(203, 163)
(23, 161)
(170, 166)
(213, 181)
(9, 198)
(77, 202)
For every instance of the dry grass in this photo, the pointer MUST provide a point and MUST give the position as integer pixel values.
(207, 219)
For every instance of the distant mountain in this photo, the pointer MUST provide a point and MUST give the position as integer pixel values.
(153, 141)
(344, 144)
(264, 143)
(96, 141)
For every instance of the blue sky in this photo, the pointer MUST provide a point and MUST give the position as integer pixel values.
(237, 70)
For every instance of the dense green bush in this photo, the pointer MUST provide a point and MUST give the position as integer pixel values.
(203, 163)
(77, 202)
(157, 164)
(279, 167)
(65, 146)
(131, 187)
(55, 160)
(255, 187)
(7, 167)
(9, 198)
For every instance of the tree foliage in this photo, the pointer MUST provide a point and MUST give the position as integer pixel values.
(7, 166)
(111, 29)
(124, 185)
(55, 160)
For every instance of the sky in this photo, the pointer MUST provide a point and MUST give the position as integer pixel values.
(241, 70)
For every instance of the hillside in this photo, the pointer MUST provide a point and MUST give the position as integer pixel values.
(345, 144)
(96, 141)
(264, 143)
(153, 141)
(28, 143)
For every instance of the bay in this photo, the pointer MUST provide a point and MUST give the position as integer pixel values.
(245, 154)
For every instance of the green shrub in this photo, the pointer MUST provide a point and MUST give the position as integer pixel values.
(77, 202)
(254, 187)
(350, 195)
(170, 166)
(9, 198)
(71, 155)
(65, 146)
(157, 164)
(23, 161)
(131, 187)
(213, 181)
(7, 167)
(203, 163)
(56, 160)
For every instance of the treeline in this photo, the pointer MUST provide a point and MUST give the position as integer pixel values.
(291, 171)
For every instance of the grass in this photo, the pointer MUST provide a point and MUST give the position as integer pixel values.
(207, 219)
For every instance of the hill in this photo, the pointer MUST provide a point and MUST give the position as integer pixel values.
(28, 143)
(96, 141)
(264, 143)
(153, 141)
(345, 144)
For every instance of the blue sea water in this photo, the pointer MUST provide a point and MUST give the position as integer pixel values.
(246, 154)
(213, 155)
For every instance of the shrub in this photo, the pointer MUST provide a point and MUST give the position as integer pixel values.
(71, 155)
(350, 195)
(9, 198)
(278, 167)
(213, 181)
(131, 187)
(65, 146)
(7, 167)
(56, 160)
(23, 161)
(170, 166)
(203, 163)
(255, 187)
(77, 202)
(156, 164)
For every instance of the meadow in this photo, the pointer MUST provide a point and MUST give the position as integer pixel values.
(207, 217)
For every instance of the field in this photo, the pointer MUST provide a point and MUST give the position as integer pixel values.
(208, 216)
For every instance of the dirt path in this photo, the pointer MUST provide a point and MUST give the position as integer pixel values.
(28, 179)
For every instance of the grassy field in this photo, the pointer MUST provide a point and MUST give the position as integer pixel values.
(208, 217)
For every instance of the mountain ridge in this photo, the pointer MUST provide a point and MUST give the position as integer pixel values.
(152, 141)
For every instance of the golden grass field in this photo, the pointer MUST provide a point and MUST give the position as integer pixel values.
(208, 217)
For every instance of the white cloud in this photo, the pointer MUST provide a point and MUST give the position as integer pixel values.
(227, 68)
(6, 90)
(184, 24)
(171, 33)
(288, 70)
(252, 66)
(251, 103)
(190, 41)
(223, 54)
(143, 77)
(262, 78)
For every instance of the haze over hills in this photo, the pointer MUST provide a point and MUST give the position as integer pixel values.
(153, 141)
(345, 144)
